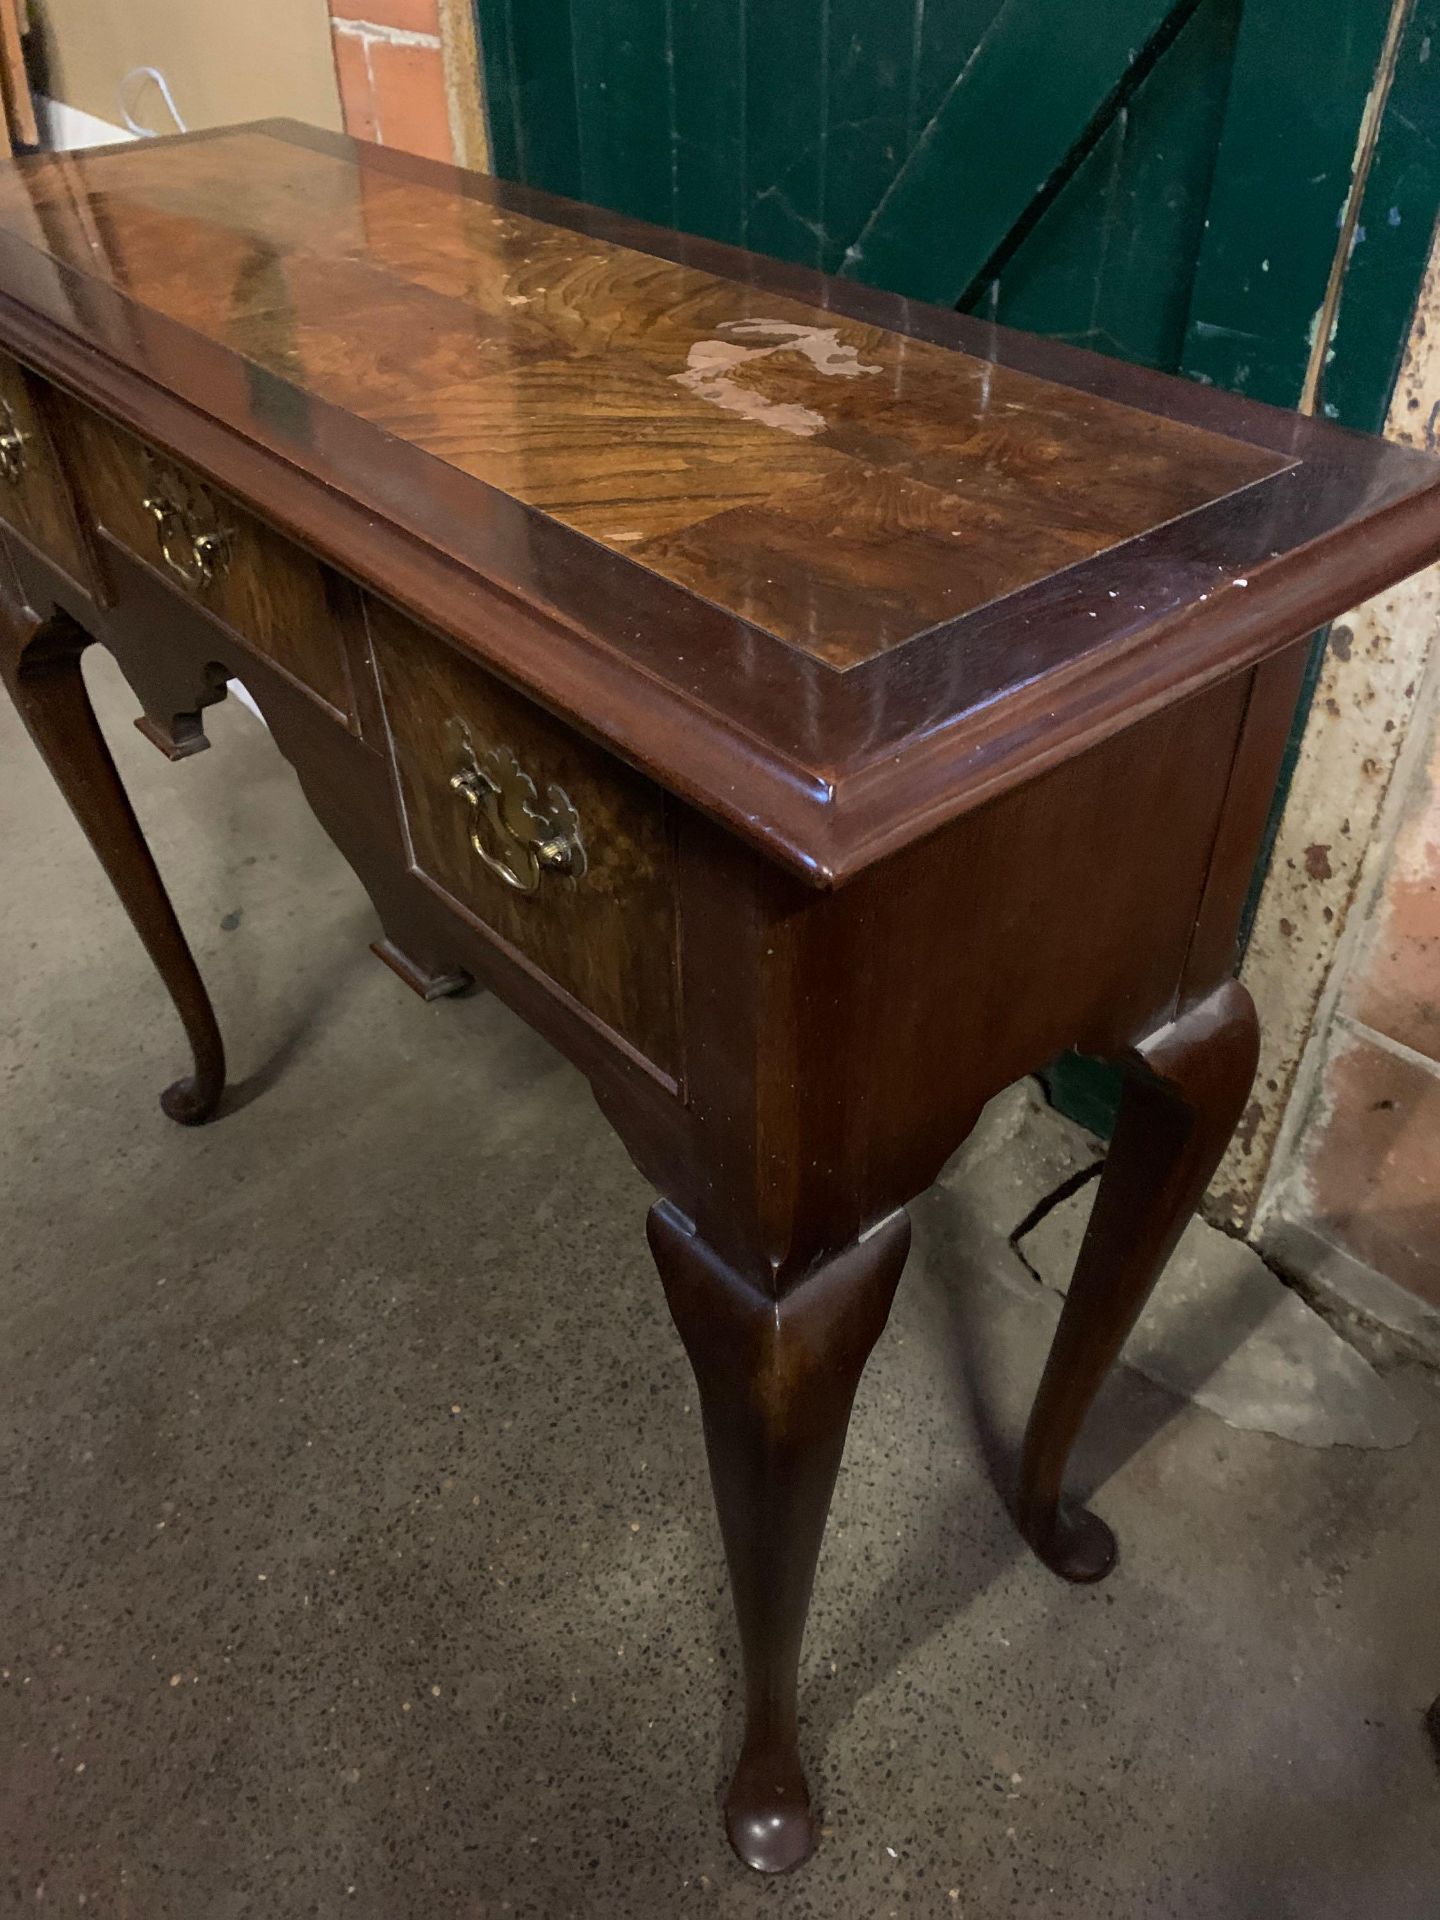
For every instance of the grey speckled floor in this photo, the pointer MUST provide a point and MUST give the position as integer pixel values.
(357, 1552)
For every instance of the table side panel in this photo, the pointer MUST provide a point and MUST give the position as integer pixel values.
(1059, 915)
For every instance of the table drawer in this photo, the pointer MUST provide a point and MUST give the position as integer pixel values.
(267, 591)
(34, 497)
(536, 833)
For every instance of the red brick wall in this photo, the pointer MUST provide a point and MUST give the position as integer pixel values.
(391, 70)
(1370, 1158)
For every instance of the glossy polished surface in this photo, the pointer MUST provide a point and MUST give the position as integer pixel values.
(839, 485)
(652, 481)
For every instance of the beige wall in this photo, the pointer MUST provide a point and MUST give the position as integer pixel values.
(225, 60)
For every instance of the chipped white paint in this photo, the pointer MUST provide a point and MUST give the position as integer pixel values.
(1334, 821)
(711, 366)
(1351, 233)
(368, 30)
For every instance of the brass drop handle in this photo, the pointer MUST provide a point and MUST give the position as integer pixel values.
(193, 545)
(517, 837)
(12, 445)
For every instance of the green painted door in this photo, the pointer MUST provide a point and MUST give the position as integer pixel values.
(1160, 179)
(1170, 181)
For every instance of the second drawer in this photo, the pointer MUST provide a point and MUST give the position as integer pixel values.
(535, 832)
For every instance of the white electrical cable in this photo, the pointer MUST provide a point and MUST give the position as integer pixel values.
(148, 73)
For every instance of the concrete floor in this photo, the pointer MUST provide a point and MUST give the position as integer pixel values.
(357, 1548)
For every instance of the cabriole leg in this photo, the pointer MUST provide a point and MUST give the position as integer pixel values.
(1185, 1090)
(777, 1376)
(44, 677)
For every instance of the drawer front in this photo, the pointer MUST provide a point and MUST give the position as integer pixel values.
(34, 497)
(267, 591)
(537, 833)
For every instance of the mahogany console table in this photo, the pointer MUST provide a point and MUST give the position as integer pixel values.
(811, 710)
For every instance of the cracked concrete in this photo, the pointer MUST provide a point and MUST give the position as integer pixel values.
(356, 1553)
(1220, 1328)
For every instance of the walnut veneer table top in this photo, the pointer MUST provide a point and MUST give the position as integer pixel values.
(835, 566)
(840, 485)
